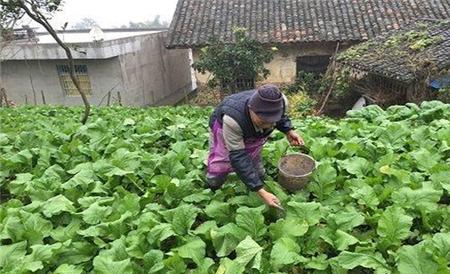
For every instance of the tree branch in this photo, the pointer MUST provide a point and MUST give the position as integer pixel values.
(37, 16)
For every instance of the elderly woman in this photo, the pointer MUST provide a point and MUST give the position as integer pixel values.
(240, 126)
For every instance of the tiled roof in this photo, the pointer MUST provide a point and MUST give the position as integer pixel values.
(282, 21)
(407, 54)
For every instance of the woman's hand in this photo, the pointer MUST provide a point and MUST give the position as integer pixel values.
(269, 199)
(294, 139)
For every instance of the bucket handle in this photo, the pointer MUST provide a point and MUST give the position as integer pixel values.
(303, 149)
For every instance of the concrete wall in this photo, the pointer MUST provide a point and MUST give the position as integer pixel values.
(283, 67)
(144, 72)
(154, 75)
(85, 50)
(103, 74)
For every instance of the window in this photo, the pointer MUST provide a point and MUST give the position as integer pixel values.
(81, 72)
(313, 63)
(240, 84)
(244, 84)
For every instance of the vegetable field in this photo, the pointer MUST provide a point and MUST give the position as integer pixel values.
(125, 194)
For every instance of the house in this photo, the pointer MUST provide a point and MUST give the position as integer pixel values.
(306, 32)
(405, 65)
(130, 65)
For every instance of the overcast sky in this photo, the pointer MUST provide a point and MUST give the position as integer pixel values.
(114, 13)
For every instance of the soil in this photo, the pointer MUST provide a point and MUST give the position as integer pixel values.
(205, 96)
(296, 166)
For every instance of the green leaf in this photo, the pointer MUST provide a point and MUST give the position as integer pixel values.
(33, 266)
(413, 259)
(32, 227)
(425, 198)
(77, 253)
(350, 260)
(174, 265)
(18, 186)
(228, 266)
(146, 221)
(171, 166)
(23, 157)
(289, 227)
(357, 166)
(205, 229)
(182, 218)
(347, 218)
(96, 213)
(309, 212)
(285, 251)
(344, 240)
(197, 198)
(68, 269)
(153, 261)
(67, 232)
(136, 243)
(106, 265)
(442, 176)
(159, 233)
(125, 162)
(126, 203)
(249, 251)
(44, 253)
(226, 238)
(81, 179)
(219, 211)
(441, 245)
(194, 249)
(161, 182)
(204, 266)
(251, 220)
(394, 226)
(56, 205)
(320, 262)
(12, 254)
(365, 195)
(425, 159)
(324, 181)
(129, 122)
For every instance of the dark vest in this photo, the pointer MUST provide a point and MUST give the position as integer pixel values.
(236, 106)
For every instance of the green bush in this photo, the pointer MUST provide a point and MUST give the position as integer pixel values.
(229, 63)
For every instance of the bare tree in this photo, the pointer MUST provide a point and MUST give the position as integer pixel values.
(6, 36)
(41, 11)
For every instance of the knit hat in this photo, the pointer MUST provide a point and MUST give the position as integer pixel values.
(267, 103)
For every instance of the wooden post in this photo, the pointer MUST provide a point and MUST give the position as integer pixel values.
(109, 99)
(119, 98)
(143, 92)
(153, 97)
(43, 97)
(26, 99)
(3, 95)
(332, 68)
(34, 91)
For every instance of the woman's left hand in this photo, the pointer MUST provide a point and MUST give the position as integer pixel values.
(294, 139)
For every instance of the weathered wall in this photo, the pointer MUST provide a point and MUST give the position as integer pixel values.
(284, 64)
(154, 75)
(146, 73)
(103, 74)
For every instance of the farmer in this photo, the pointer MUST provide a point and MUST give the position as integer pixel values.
(240, 125)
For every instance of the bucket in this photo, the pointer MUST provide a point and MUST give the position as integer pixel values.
(294, 171)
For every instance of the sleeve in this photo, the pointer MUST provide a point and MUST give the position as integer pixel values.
(232, 134)
(239, 158)
(285, 123)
